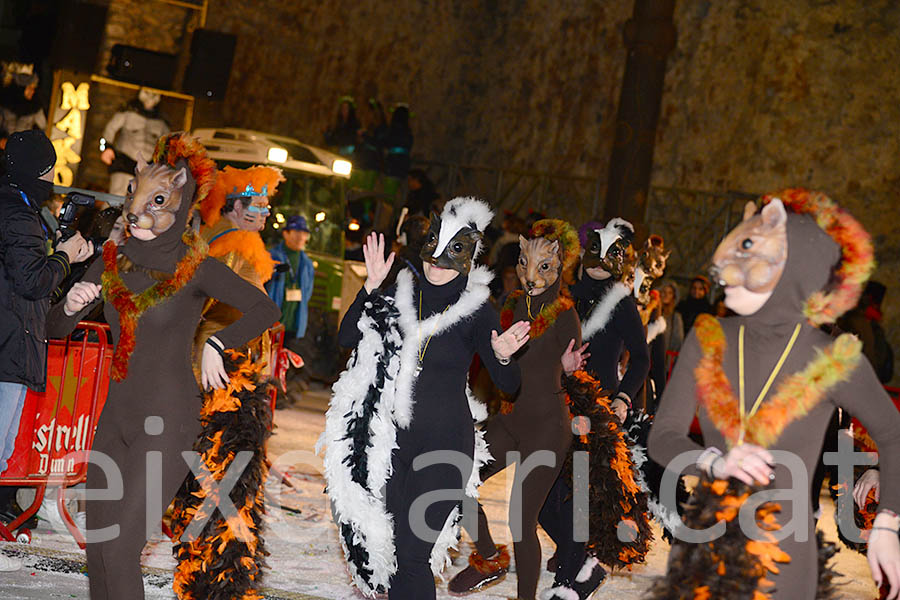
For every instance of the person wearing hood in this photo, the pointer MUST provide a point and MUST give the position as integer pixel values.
(764, 384)
(28, 278)
(155, 286)
(402, 408)
(538, 419)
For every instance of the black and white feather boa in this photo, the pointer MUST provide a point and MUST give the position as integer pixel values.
(656, 328)
(373, 397)
(603, 311)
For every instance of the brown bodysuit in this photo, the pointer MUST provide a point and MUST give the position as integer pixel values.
(159, 383)
(811, 254)
(539, 421)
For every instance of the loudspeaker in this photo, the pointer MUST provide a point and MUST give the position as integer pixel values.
(143, 67)
(79, 31)
(211, 55)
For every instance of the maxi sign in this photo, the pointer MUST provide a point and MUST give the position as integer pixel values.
(67, 125)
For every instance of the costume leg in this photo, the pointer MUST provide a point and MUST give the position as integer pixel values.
(413, 579)
(533, 492)
(114, 566)
(499, 441)
(556, 517)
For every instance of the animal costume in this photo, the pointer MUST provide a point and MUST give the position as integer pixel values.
(154, 292)
(538, 419)
(243, 251)
(794, 378)
(610, 323)
(405, 394)
(133, 132)
(234, 420)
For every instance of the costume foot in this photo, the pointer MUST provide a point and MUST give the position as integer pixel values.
(559, 592)
(589, 578)
(481, 572)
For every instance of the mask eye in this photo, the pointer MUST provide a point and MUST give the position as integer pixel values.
(522, 261)
(130, 188)
(431, 237)
(457, 247)
(544, 267)
(747, 244)
(595, 249)
(159, 199)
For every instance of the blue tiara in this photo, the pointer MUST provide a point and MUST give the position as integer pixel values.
(248, 192)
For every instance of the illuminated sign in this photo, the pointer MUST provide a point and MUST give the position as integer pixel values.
(68, 129)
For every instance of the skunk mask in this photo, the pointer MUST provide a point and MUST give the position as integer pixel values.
(454, 238)
(608, 247)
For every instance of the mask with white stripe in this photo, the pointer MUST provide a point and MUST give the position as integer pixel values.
(610, 247)
(454, 237)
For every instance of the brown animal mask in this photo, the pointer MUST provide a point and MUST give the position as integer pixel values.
(653, 256)
(539, 264)
(754, 253)
(154, 196)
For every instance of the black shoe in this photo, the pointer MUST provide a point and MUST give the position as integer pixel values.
(589, 578)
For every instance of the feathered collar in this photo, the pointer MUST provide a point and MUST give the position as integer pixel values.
(602, 312)
(473, 296)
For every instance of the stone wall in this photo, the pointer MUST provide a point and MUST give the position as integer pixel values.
(760, 94)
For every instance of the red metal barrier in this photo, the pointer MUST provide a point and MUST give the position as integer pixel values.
(57, 427)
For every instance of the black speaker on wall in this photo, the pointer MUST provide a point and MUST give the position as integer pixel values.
(211, 55)
(141, 66)
(79, 31)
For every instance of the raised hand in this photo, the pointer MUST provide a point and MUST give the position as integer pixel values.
(573, 359)
(377, 268)
(212, 369)
(509, 342)
(80, 295)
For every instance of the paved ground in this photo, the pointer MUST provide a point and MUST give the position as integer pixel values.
(306, 561)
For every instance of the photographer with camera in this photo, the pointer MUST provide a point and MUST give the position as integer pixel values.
(28, 276)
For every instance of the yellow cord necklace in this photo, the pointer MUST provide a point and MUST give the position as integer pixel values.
(424, 348)
(528, 307)
(762, 394)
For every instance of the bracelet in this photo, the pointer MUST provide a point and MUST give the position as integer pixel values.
(624, 398)
(218, 347)
(503, 361)
(885, 529)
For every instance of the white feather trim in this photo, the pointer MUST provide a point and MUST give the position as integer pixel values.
(587, 569)
(559, 592)
(448, 538)
(363, 508)
(475, 294)
(656, 328)
(600, 316)
(461, 212)
(665, 517)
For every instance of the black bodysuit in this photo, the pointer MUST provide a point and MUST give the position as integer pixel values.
(441, 421)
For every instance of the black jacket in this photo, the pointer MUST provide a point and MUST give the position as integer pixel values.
(27, 279)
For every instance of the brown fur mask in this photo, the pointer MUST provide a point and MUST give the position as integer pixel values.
(754, 253)
(154, 196)
(653, 257)
(539, 264)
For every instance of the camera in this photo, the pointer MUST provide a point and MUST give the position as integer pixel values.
(69, 213)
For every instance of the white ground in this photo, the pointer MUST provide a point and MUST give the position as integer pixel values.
(306, 559)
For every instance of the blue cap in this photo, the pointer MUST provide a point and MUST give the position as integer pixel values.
(296, 223)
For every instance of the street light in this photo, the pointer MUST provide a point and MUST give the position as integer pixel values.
(320, 216)
(341, 167)
(278, 155)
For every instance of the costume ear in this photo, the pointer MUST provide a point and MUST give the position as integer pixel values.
(180, 178)
(773, 214)
(749, 210)
(141, 163)
(667, 254)
(522, 242)
(554, 247)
